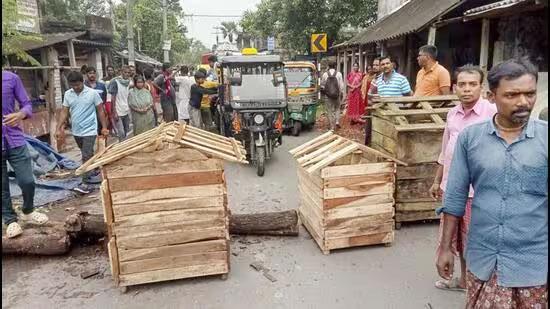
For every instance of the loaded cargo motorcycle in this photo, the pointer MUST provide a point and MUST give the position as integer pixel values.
(303, 97)
(252, 98)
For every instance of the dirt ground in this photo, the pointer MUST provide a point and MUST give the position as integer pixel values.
(401, 276)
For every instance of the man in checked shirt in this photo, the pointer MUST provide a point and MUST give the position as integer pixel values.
(505, 159)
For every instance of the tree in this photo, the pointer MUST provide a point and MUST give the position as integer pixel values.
(11, 36)
(73, 11)
(229, 30)
(193, 54)
(293, 21)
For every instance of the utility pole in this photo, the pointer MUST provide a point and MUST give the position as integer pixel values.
(130, 29)
(112, 14)
(165, 31)
(139, 38)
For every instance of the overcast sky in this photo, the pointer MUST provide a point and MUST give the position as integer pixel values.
(201, 28)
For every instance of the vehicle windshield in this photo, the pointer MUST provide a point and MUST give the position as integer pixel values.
(299, 77)
(257, 82)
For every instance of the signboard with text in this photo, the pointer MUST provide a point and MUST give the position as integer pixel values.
(29, 21)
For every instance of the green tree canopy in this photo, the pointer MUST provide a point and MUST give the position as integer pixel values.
(11, 36)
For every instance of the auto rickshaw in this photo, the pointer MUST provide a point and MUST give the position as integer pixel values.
(303, 97)
(251, 99)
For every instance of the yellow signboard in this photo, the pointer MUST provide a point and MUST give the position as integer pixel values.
(319, 43)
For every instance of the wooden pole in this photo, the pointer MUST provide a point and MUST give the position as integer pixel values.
(431, 35)
(130, 30)
(70, 49)
(52, 120)
(484, 53)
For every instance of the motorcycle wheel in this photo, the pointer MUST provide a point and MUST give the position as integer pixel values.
(260, 161)
(296, 128)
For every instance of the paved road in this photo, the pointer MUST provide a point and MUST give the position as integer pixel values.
(400, 276)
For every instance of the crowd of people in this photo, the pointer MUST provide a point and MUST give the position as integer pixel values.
(492, 176)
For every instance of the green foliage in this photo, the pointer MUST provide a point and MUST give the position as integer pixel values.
(73, 11)
(293, 21)
(193, 54)
(148, 19)
(11, 37)
(229, 30)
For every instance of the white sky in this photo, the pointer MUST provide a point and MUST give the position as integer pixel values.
(201, 28)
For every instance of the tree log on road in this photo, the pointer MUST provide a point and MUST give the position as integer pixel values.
(283, 223)
(44, 240)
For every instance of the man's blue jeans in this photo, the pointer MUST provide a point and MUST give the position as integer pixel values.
(20, 161)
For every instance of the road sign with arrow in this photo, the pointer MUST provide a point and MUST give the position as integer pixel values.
(319, 43)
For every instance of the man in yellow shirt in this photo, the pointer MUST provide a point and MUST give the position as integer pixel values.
(206, 109)
(432, 79)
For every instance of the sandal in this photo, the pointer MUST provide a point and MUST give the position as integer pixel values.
(449, 285)
(13, 230)
(35, 217)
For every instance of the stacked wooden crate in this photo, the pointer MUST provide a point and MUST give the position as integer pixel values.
(166, 205)
(411, 129)
(346, 192)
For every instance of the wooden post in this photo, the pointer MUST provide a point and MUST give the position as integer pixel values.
(338, 60)
(345, 72)
(484, 53)
(361, 61)
(431, 35)
(52, 120)
(70, 49)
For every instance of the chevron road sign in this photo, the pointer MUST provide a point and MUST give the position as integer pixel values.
(319, 43)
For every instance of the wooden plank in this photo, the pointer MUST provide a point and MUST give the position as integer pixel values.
(320, 150)
(335, 156)
(213, 136)
(143, 196)
(345, 223)
(413, 189)
(166, 227)
(390, 113)
(358, 211)
(360, 230)
(315, 222)
(113, 259)
(205, 143)
(314, 146)
(358, 201)
(417, 171)
(436, 118)
(308, 226)
(418, 206)
(166, 181)
(347, 242)
(384, 127)
(171, 262)
(381, 154)
(214, 152)
(171, 216)
(437, 98)
(181, 131)
(174, 273)
(415, 127)
(173, 238)
(400, 119)
(388, 145)
(169, 204)
(359, 190)
(415, 216)
(237, 149)
(312, 178)
(307, 196)
(326, 154)
(106, 202)
(110, 158)
(174, 250)
(311, 142)
(357, 170)
(140, 169)
(359, 180)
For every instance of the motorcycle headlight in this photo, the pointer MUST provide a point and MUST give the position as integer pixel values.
(258, 119)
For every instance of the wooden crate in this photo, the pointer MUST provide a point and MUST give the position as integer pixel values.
(411, 129)
(346, 193)
(166, 207)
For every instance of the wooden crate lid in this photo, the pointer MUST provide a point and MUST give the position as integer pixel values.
(325, 149)
(401, 109)
(175, 133)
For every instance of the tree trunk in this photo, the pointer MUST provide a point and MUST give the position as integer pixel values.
(284, 223)
(83, 224)
(43, 240)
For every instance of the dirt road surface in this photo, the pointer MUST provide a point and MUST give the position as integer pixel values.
(401, 276)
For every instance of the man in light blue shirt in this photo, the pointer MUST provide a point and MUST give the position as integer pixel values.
(505, 159)
(389, 83)
(84, 105)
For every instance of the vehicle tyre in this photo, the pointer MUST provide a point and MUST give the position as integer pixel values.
(260, 161)
(296, 128)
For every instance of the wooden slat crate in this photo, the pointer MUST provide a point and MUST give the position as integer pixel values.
(411, 129)
(165, 204)
(346, 193)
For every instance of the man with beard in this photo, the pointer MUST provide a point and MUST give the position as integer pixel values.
(99, 87)
(472, 109)
(505, 159)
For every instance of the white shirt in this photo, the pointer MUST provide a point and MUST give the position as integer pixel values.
(183, 95)
(339, 77)
(122, 108)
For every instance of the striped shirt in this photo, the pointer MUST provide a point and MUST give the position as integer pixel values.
(396, 86)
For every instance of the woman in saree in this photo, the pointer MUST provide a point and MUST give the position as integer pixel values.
(356, 104)
(140, 101)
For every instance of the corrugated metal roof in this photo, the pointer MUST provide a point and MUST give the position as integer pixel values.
(50, 39)
(487, 7)
(91, 43)
(410, 18)
(140, 58)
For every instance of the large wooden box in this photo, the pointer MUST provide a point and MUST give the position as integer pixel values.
(346, 193)
(411, 129)
(167, 217)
